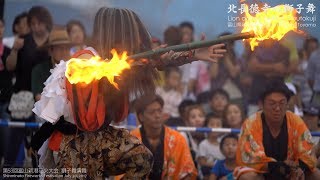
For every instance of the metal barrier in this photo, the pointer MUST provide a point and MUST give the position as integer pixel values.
(5, 123)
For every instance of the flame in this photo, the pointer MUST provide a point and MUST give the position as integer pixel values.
(273, 23)
(85, 71)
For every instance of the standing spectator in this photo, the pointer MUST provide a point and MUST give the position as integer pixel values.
(225, 73)
(20, 28)
(233, 116)
(300, 78)
(218, 101)
(187, 34)
(5, 91)
(245, 76)
(209, 150)
(6, 76)
(223, 169)
(59, 49)
(171, 36)
(24, 55)
(77, 34)
(310, 45)
(171, 92)
(314, 78)
(172, 158)
(268, 61)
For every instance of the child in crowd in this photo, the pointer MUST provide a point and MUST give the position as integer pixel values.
(233, 116)
(171, 92)
(218, 100)
(209, 150)
(223, 169)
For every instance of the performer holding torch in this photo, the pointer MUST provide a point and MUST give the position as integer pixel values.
(82, 97)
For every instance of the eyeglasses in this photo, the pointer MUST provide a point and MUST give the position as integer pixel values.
(273, 104)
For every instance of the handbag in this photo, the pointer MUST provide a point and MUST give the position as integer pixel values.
(21, 104)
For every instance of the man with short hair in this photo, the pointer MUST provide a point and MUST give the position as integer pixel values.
(275, 143)
(172, 158)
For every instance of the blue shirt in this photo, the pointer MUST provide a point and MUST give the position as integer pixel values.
(313, 69)
(219, 169)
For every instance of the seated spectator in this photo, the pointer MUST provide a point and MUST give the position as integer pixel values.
(275, 143)
(172, 158)
(218, 100)
(24, 55)
(233, 116)
(223, 169)
(270, 60)
(295, 102)
(195, 117)
(311, 119)
(181, 120)
(171, 91)
(226, 73)
(209, 150)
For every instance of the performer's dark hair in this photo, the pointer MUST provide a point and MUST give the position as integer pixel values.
(121, 29)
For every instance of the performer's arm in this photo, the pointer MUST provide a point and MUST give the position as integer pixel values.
(41, 135)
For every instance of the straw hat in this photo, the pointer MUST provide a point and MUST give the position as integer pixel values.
(58, 37)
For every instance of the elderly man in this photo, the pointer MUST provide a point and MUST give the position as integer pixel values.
(275, 143)
(172, 158)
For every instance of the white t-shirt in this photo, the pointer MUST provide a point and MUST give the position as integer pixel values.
(8, 41)
(210, 151)
(193, 144)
